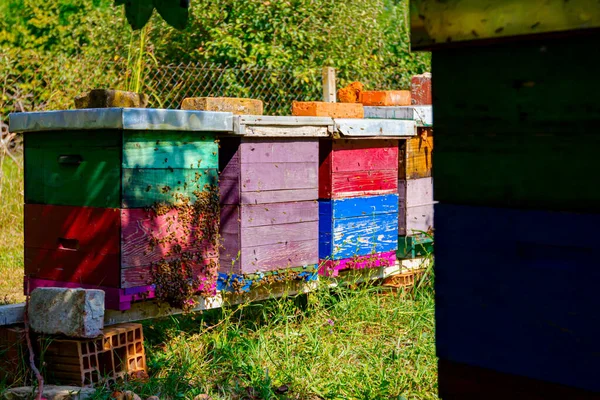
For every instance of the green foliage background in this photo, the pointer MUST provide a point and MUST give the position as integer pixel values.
(52, 50)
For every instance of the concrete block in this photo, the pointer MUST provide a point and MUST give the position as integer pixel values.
(385, 98)
(234, 105)
(323, 109)
(50, 392)
(77, 313)
(420, 88)
(106, 98)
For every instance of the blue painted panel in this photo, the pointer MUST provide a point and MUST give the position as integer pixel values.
(359, 236)
(360, 206)
(517, 292)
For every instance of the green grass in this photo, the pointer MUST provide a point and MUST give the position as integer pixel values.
(345, 343)
(11, 230)
(359, 342)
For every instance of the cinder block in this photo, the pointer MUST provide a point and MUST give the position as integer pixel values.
(386, 98)
(323, 109)
(420, 89)
(77, 313)
(118, 353)
(234, 105)
(105, 98)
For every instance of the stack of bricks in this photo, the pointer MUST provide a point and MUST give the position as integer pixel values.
(358, 204)
(106, 207)
(415, 183)
(118, 353)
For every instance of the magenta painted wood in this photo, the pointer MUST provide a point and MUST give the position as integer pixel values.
(416, 206)
(229, 190)
(280, 256)
(279, 213)
(268, 170)
(333, 267)
(115, 299)
(278, 176)
(264, 235)
(142, 275)
(269, 208)
(271, 150)
(140, 227)
(280, 196)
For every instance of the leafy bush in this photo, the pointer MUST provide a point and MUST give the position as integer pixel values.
(51, 51)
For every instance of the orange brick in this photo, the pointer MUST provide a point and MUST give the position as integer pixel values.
(323, 109)
(420, 89)
(386, 98)
(234, 105)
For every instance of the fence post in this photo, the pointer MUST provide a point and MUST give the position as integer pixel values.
(329, 85)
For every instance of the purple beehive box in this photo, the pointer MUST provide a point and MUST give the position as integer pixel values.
(269, 208)
(416, 206)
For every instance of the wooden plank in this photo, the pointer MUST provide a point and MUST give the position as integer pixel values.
(357, 236)
(114, 298)
(141, 275)
(84, 229)
(145, 187)
(279, 176)
(329, 87)
(279, 150)
(364, 155)
(279, 196)
(13, 313)
(146, 237)
(415, 159)
(104, 138)
(73, 266)
(285, 131)
(534, 95)
(229, 190)
(522, 270)
(279, 256)
(230, 253)
(264, 235)
(363, 183)
(358, 206)
(528, 171)
(69, 175)
(279, 213)
(459, 381)
(169, 150)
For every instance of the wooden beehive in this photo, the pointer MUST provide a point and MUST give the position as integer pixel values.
(358, 167)
(269, 209)
(358, 232)
(516, 238)
(111, 193)
(415, 215)
(415, 156)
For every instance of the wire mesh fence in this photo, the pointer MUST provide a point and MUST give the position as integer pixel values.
(39, 88)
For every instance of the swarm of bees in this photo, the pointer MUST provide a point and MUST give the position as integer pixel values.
(181, 274)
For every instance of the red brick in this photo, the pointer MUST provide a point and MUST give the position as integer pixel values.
(323, 109)
(420, 89)
(385, 98)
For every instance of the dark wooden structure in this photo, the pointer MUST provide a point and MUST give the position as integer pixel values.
(517, 243)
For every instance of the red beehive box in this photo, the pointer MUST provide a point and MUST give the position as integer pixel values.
(352, 168)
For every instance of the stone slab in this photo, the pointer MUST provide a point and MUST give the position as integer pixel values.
(76, 313)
